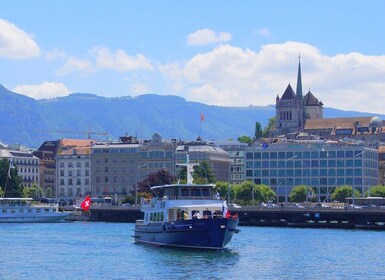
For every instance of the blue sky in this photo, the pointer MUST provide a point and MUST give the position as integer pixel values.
(228, 53)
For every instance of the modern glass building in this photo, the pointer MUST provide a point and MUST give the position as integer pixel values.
(314, 163)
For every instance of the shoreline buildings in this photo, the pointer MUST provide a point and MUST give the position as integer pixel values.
(302, 148)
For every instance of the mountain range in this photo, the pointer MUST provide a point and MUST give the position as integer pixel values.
(30, 122)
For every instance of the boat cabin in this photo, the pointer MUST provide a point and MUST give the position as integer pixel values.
(182, 202)
(184, 191)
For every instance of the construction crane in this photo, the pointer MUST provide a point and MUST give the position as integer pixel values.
(88, 133)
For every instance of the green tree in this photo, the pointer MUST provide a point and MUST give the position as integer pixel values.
(12, 187)
(342, 192)
(245, 139)
(223, 188)
(378, 191)
(203, 174)
(129, 199)
(33, 191)
(1, 192)
(243, 192)
(270, 124)
(258, 130)
(298, 194)
(49, 192)
(262, 193)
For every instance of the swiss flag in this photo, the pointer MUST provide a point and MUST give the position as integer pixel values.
(86, 203)
(228, 215)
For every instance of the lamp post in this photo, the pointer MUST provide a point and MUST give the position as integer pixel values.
(353, 187)
(137, 181)
(289, 159)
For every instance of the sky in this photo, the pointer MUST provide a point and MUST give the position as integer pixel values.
(225, 53)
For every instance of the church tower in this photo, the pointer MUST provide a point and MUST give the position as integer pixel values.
(290, 111)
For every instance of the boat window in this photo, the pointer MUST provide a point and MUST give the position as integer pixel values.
(151, 216)
(162, 216)
(29, 210)
(4, 211)
(13, 211)
(195, 192)
(207, 214)
(178, 214)
(185, 192)
(46, 210)
(38, 210)
(158, 216)
(205, 192)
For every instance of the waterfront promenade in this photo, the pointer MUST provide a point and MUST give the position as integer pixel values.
(310, 216)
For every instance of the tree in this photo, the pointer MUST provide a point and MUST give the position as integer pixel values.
(223, 188)
(298, 194)
(1, 192)
(158, 178)
(342, 192)
(203, 174)
(258, 130)
(49, 192)
(270, 124)
(12, 187)
(262, 193)
(33, 191)
(245, 139)
(378, 191)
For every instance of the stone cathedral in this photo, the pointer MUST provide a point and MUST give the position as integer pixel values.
(293, 109)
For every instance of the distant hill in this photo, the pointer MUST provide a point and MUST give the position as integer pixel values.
(27, 121)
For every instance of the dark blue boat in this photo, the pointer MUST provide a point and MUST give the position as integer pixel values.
(186, 215)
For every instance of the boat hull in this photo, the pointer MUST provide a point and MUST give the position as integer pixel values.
(54, 218)
(195, 233)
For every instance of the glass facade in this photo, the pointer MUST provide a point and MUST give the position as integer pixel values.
(318, 166)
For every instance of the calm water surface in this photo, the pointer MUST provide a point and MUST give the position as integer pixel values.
(85, 250)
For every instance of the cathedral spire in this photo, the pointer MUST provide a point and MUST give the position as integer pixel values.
(299, 78)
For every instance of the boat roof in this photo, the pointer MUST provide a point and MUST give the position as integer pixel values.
(16, 198)
(195, 206)
(183, 185)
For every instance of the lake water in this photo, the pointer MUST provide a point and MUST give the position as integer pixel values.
(95, 250)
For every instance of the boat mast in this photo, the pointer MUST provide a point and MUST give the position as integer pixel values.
(189, 167)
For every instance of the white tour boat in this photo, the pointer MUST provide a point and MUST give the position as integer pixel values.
(26, 210)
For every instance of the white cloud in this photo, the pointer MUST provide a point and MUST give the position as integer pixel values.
(229, 75)
(139, 88)
(72, 65)
(207, 36)
(42, 91)
(56, 53)
(16, 43)
(120, 61)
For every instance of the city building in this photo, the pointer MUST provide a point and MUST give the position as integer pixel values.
(156, 154)
(26, 163)
(114, 167)
(73, 170)
(215, 156)
(236, 152)
(47, 171)
(322, 165)
(381, 165)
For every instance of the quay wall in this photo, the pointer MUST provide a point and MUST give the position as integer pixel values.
(370, 218)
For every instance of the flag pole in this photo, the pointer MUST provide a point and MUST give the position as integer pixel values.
(202, 117)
